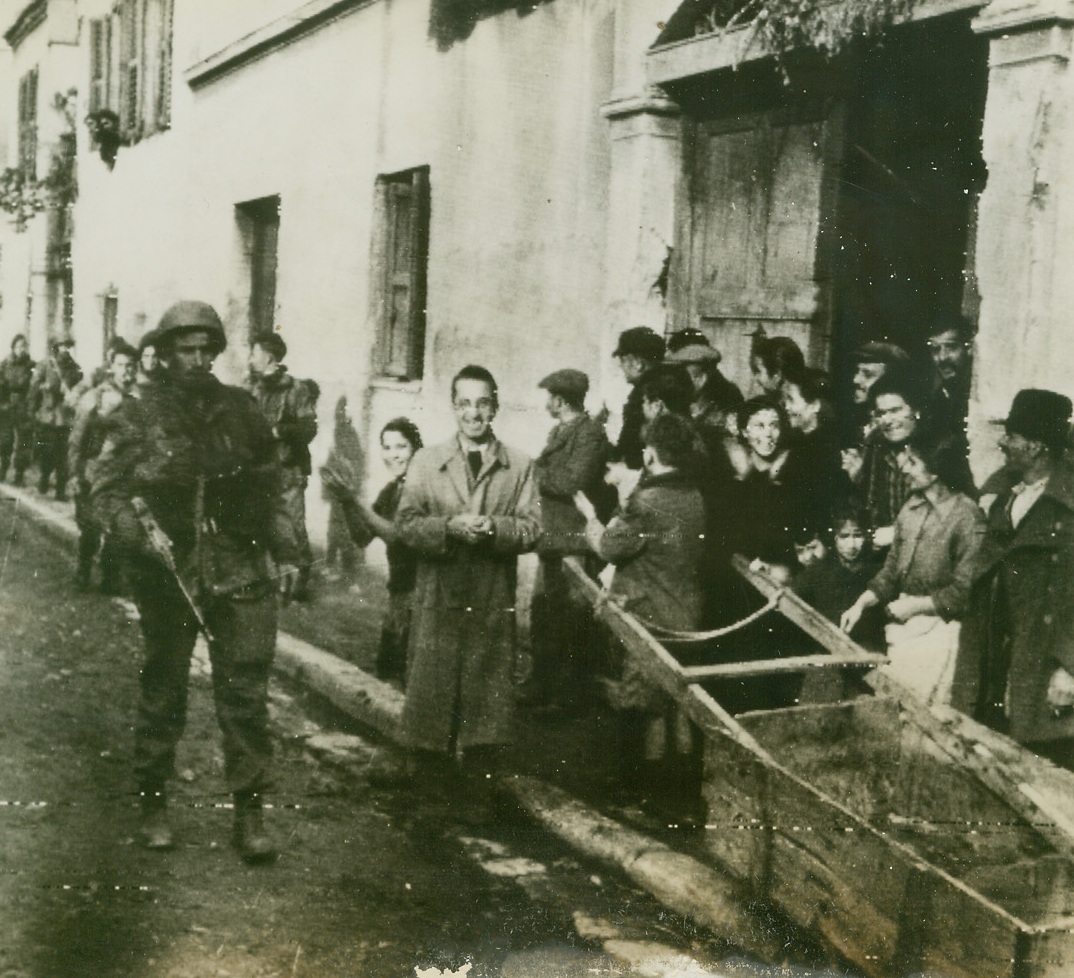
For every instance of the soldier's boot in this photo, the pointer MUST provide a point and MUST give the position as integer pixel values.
(249, 835)
(155, 830)
(20, 478)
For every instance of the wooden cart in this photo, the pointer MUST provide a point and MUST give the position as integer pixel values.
(912, 838)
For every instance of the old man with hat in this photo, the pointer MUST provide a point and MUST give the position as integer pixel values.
(638, 351)
(1015, 668)
(572, 461)
(187, 484)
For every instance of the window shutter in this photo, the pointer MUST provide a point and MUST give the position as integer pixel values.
(418, 233)
(399, 284)
(28, 125)
(164, 67)
(97, 65)
(401, 250)
(132, 39)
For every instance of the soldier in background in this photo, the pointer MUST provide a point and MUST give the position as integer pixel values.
(87, 438)
(53, 382)
(290, 406)
(194, 461)
(16, 427)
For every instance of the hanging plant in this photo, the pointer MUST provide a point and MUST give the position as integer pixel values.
(823, 26)
(22, 198)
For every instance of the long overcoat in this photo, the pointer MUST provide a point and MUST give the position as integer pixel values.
(461, 658)
(1021, 605)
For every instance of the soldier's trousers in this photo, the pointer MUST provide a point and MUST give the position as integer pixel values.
(51, 444)
(294, 505)
(16, 435)
(244, 632)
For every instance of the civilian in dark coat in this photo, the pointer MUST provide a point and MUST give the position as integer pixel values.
(950, 343)
(814, 468)
(572, 461)
(833, 583)
(767, 508)
(1015, 668)
(655, 542)
(638, 351)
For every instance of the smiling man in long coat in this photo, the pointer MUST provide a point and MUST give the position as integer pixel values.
(469, 508)
(1015, 669)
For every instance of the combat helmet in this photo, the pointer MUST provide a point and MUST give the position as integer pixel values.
(184, 316)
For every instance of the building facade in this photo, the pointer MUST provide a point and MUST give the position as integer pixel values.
(401, 187)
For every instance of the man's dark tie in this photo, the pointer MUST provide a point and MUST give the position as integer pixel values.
(475, 459)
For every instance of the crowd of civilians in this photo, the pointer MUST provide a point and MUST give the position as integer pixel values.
(864, 504)
(861, 501)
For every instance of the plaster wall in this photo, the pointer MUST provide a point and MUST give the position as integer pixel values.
(508, 122)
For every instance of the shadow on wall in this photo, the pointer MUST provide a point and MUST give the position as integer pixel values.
(455, 20)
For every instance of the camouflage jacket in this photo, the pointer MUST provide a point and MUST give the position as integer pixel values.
(49, 389)
(15, 377)
(204, 461)
(88, 430)
(290, 407)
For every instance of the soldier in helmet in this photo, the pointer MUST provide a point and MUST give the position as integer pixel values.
(195, 460)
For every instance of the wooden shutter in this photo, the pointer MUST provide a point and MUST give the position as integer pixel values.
(100, 62)
(28, 124)
(264, 232)
(405, 263)
(163, 106)
(132, 42)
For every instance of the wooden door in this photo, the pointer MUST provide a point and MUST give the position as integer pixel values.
(755, 217)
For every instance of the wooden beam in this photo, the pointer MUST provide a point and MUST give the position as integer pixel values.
(791, 663)
(806, 617)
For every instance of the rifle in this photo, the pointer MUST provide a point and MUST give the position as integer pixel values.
(161, 545)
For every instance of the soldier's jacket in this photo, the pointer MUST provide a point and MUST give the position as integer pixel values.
(88, 430)
(204, 460)
(290, 406)
(15, 376)
(49, 389)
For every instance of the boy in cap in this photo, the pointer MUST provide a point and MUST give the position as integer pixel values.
(1015, 667)
(572, 461)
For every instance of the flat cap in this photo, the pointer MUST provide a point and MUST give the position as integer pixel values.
(695, 353)
(567, 383)
(640, 342)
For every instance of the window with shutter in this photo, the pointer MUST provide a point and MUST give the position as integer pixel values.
(259, 225)
(164, 66)
(400, 259)
(132, 42)
(28, 125)
(100, 62)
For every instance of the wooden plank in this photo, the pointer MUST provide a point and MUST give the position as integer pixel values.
(795, 663)
(1039, 791)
